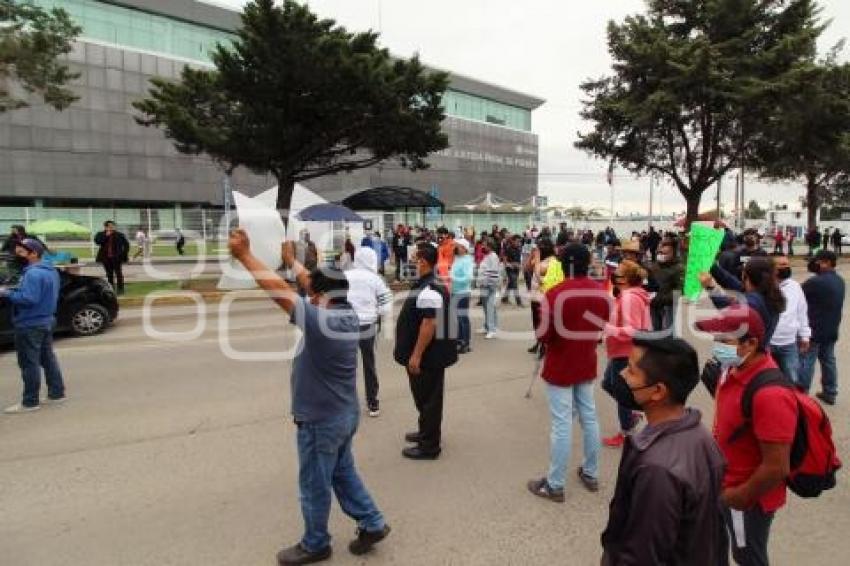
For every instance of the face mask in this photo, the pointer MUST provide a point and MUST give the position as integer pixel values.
(750, 242)
(663, 258)
(784, 273)
(814, 267)
(727, 355)
(625, 395)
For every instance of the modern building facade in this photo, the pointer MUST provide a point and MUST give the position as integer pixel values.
(94, 153)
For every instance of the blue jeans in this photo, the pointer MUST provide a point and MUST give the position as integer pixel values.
(326, 465)
(34, 347)
(787, 357)
(561, 403)
(491, 318)
(825, 352)
(464, 332)
(612, 371)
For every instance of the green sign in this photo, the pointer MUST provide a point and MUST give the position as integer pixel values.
(703, 246)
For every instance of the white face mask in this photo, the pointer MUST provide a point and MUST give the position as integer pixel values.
(662, 258)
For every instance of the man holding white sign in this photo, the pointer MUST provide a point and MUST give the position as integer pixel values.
(324, 402)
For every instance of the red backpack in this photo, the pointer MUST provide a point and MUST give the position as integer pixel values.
(814, 459)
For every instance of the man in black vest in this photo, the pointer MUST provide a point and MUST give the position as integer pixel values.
(424, 348)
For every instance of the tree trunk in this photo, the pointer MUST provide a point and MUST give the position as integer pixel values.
(692, 214)
(285, 187)
(812, 202)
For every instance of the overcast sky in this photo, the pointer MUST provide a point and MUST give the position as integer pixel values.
(545, 48)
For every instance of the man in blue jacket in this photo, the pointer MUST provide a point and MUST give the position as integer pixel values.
(825, 296)
(33, 309)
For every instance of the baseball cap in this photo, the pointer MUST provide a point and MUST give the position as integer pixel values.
(33, 245)
(736, 321)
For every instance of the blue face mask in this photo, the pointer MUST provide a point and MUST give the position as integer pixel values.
(727, 355)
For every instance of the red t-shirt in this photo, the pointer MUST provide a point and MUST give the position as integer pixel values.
(774, 420)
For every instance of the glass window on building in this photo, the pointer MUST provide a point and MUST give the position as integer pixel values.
(141, 30)
(469, 107)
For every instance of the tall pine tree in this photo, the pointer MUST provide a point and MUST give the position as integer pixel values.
(694, 82)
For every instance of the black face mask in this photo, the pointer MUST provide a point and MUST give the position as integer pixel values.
(625, 395)
(784, 273)
(814, 267)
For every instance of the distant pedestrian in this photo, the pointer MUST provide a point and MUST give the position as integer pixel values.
(371, 299)
(631, 315)
(425, 348)
(513, 265)
(837, 237)
(181, 242)
(141, 244)
(570, 330)
(488, 286)
(462, 274)
(825, 297)
(667, 275)
(324, 402)
(792, 335)
(665, 506)
(113, 253)
(34, 304)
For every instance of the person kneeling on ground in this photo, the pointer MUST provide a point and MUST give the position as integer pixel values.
(665, 508)
(324, 402)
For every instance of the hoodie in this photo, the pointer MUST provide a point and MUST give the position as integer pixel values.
(631, 314)
(34, 300)
(367, 291)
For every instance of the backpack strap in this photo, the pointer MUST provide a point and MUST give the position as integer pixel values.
(767, 378)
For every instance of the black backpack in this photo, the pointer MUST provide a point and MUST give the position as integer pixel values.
(814, 459)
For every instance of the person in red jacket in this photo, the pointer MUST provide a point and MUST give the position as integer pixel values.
(573, 315)
(631, 314)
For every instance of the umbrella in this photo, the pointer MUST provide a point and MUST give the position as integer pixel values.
(328, 212)
(56, 226)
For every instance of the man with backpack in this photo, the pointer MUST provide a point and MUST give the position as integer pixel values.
(424, 347)
(757, 427)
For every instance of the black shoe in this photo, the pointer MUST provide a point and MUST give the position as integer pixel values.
(590, 483)
(533, 349)
(541, 488)
(464, 350)
(826, 399)
(299, 555)
(417, 453)
(413, 437)
(366, 540)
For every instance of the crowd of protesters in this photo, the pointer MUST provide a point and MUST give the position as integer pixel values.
(683, 495)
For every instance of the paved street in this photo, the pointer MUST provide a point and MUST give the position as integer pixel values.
(171, 453)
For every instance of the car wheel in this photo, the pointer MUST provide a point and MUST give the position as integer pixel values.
(89, 320)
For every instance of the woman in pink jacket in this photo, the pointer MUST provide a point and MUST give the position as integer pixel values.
(631, 314)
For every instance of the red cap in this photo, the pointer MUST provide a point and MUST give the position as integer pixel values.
(734, 322)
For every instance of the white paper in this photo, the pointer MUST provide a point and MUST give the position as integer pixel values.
(738, 528)
(259, 217)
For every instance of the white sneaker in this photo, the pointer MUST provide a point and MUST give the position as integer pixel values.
(482, 331)
(374, 413)
(18, 409)
(489, 335)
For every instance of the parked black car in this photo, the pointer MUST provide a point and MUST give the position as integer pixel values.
(87, 305)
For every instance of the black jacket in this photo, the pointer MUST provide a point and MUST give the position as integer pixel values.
(121, 247)
(667, 278)
(825, 296)
(666, 508)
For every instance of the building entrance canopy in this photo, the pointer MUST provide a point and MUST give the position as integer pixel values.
(392, 198)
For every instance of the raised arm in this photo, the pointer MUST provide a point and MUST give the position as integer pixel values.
(278, 289)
